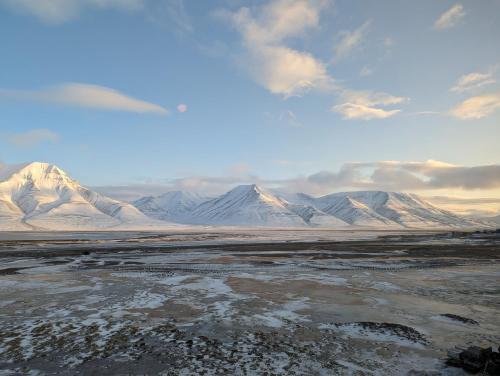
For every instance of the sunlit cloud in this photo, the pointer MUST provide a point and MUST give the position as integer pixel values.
(280, 69)
(412, 176)
(477, 107)
(365, 105)
(450, 18)
(60, 11)
(84, 95)
(473, 81)
(350, 41)
(32, 137)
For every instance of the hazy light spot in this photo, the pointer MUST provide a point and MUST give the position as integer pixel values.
(182, 107)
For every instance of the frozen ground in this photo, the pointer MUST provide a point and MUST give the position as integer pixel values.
(254, 303)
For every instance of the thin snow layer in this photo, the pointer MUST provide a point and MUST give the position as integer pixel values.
(280, 315)
(358, 330)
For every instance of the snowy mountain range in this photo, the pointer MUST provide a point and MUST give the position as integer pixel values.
(41, 196)
(251, 205)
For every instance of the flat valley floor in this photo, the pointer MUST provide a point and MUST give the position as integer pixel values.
(245, 302)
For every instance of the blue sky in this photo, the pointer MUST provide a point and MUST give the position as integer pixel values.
(277, 91)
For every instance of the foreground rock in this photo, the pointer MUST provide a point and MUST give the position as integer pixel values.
(475, 359)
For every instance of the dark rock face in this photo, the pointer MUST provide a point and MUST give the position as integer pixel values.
(462, 319)
(475, 359)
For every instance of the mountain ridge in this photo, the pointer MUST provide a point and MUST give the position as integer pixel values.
(40, 195)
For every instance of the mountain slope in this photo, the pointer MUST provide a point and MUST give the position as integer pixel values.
(246, 205)
(42, 196)
(173, 206)
(351, 211)
(378, 208)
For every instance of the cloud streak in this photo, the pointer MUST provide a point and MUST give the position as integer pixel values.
(472, 81)
(365, 105)
(477, 107)
(88, 96)
(32, 137)
(350, 41)
(450, 18)
(61, 11)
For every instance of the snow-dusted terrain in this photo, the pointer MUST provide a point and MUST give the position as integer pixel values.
(42, 196)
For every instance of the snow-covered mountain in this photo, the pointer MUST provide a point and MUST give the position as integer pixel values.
(42, 196)
(246, 205)
(174, 206)
(389, 209)
(251, 205)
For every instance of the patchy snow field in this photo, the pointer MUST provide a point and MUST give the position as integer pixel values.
(133, 305)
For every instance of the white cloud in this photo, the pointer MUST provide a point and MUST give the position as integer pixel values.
(450, 18)
(277, 67)
(352, 111)
(365, 105)
(477, 107)
(350, 41)
(287, 72)
(84, 95)
(473, 81)
(32, 138)
(60, 11)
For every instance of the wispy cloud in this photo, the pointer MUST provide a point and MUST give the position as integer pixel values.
(365, 105)
(350, 41)
(473, 81)
(450, 18)
(280, 69)
(289, 118)
(477, 107)
(84, 95)
(60, 11)
(32, 137)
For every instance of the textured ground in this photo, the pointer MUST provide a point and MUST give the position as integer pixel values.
(243, 304)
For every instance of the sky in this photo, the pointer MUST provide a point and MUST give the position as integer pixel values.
(142, 96)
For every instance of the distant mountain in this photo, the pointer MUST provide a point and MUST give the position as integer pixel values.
(175, 206)
(494, 220)
(251, 205)
(246, 205)
(393, 209)
(42, 196)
